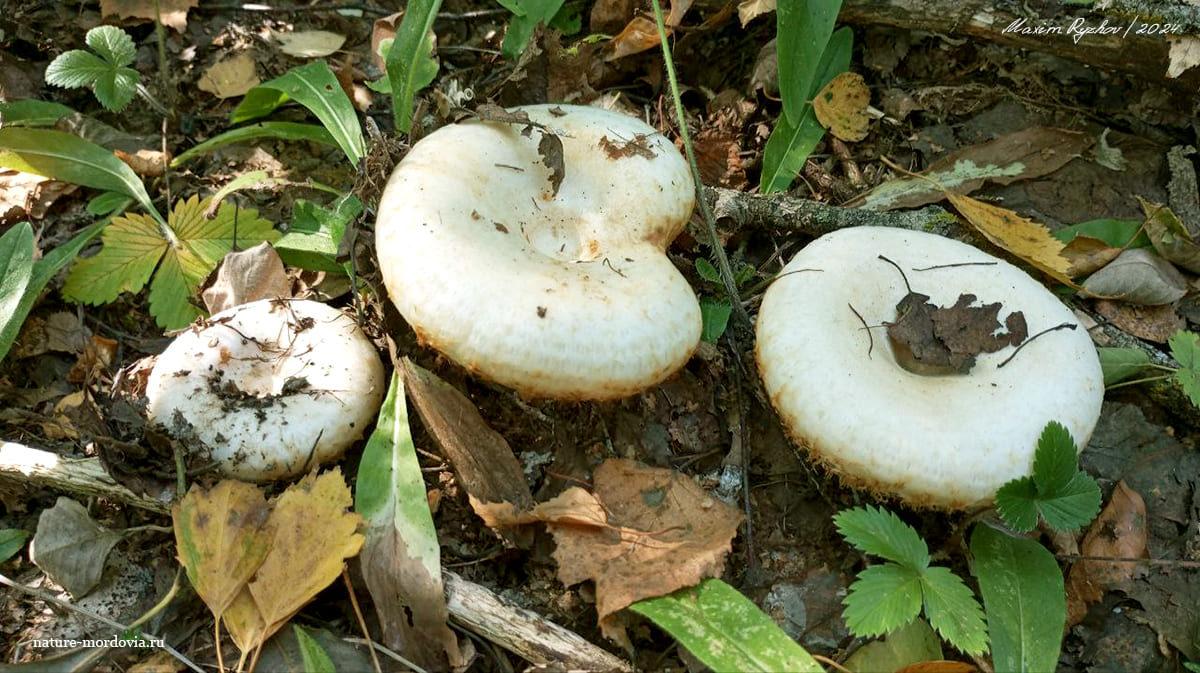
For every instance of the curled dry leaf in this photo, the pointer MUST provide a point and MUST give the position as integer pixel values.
(1087, 255)
(1138, 276)
(641, 33)
(748, 10)
(1170, 237)
(230, 77)
(1119, 532)
(71, 547)
(841, 107)
(146, 163)
(247, 275)
(25, 195)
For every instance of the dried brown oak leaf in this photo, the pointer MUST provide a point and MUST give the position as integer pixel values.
(643, 532)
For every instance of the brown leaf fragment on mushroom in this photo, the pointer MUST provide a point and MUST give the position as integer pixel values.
(1119, 532)
(972, 329)
(663, 533)
(550, 148)
(244, 276)
(485, 465)
(222, 536)
(621, 149)
(1138, 276)
(1152, 323)
(70, 547)
(842, 105)
(1028, 240)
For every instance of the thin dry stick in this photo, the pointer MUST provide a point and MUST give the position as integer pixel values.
(362, 623)
(830, 662)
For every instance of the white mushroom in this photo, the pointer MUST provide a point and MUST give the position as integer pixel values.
(946, 441)
(563, 293)
(271, 388)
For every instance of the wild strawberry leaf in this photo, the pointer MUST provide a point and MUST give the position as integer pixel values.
(1185, 348)
(883, 598)
(113, 44)
(1065, 497)
(882, 533)
(134, 246)
(113, 82)
(953, 611)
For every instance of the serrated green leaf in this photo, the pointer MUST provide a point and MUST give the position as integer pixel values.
(1056, 460)
(725, 630)
(133, 245)
(76, 68)
(803, 32)
(1016, 502)
(883, 598)
(315, 87)
(1074, 505)
(16, 270)
(791, 142)
(714, 316)
(11, 541)
(272, 130)
(953, 611)
(881, 533)
(65, 157)
(1119, 364)
(112, 43)
(707, 271)
(315, 659)
(116, 88)
(1023, 598)
(527, 14)
(408, 62)
(32, 112)
(1185, 348)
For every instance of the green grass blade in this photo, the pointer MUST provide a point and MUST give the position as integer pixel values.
(790, 143)
(16, 270)
(803, 28)
(725, 630)
(261, 130)
(1023, 598)
(407, 67)
(65, 157)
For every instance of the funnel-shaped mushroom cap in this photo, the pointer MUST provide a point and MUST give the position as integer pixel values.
(270, 389)
(944, 441)
(565, 294)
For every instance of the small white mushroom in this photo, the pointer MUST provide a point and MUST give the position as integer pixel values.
(946, 441)
(561, 293)
(270, 389)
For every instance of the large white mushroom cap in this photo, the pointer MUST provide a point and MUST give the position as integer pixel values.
(562, 295)
(944, 441)
(271, 388)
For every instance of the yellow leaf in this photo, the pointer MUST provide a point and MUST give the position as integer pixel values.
(841, 106)
(314, 534)
(222, 536)
(245, 623)
(1022, 237)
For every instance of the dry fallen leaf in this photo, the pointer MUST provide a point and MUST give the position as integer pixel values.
(1119, 532)
(1022, 237)
(172, 13)
(308, 43)
(222, 536)
(664, 533)
(1087, 254)
(641, 33)
(28, 196)
(748, 10)
(841, 107)
(1152, 323)
(1184, 54)
(70, 547)
(1138, 276)
(244, 276)
(146, 163)
(230, 77)
(95, 359)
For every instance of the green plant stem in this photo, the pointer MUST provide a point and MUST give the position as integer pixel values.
(1149, 379)
(710, 222)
